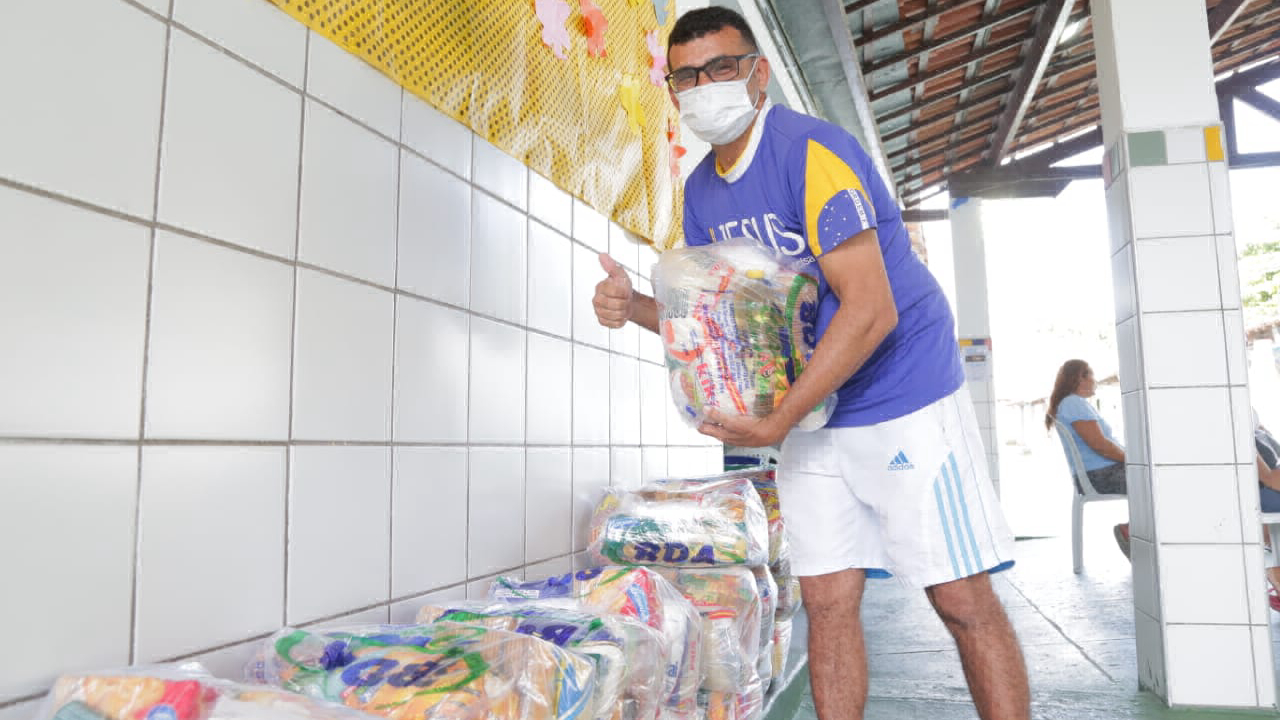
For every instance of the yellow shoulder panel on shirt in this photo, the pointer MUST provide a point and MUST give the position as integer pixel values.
(825, 174)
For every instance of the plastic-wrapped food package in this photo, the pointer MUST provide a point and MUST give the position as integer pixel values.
(435, 671)
(768, 608)
(696, 523)
(635, 592)
(746, 704)
(728, 600)
(739, 326)
(781, 645)
(788, 597)
(177, 692)
(629, 656)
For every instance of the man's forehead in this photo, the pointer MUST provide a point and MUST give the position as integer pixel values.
(725, 41)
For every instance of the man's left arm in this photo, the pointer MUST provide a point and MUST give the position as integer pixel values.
(867, 314)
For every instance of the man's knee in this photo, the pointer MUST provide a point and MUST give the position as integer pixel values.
(967, 603)
(833, 594)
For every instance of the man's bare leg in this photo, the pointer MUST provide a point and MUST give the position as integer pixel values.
(989, 651)
(837, 654)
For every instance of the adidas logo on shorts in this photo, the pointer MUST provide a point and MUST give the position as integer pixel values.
(900, 462)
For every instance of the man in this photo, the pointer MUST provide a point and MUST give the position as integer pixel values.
(896, 483)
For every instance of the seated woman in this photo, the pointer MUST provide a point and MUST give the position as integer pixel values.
(1103, 456)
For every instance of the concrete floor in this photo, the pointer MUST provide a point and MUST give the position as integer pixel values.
(1077, 633)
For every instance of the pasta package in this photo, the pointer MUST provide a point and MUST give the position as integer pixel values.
(738, 325)
(434, 671)
(629, 656)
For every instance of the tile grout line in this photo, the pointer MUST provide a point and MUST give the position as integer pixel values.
(136, 565)
(395, 337)
(1064, 635)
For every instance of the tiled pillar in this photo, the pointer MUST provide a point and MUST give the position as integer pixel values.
(973, 326)
(1198, 585)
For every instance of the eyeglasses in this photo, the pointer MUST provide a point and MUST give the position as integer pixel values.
(718, 69)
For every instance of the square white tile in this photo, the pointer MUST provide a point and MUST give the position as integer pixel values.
(338, 487)
(655, 399)
(624, 401)
(1145, 576)
(590, 227)
(1177, 274)
(1242, 422)
(1203, 584)
(218, 369)
(1133, 406)
(23, 710)
(625, 248)
(1119, 224)
(478, 589)
(1150, 642)
(224, 172)
(1220, 194)
(1124, 283)
(549, 409)
(498, 368)
(550, 204)
(88, 494)
(590, 482)
(1183, 348)
(434, 252)
(550, 280)
(368, 616)
(1170, 201)
(97, 143)
(73, 295)
(1250, 506)
(1141, 505)
(344, 80)
(1228, 270)
(550, 568)
(499, 173)
(190, 497)
(495, 517)
(626, 339)
(256, 31)
(348, 217)
(1211, 665)
(686, 462)
(591, 409)
(653, 463)
(439, 137)
(1190, 426)
(626, 468)
(229, 662)
(586, 275)
(1264, 666)
(157, 6)
(499, 259)
(405, 612)
(651, 348)
(1184, 145)
(548, 519)
(431, 372)
(1196, 503)
(342, 360)
(1237, 352)
(1255, 590)
(428, 519)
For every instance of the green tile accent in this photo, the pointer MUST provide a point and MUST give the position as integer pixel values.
(1148, 148)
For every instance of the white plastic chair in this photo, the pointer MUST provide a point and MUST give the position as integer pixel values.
(1076, 464)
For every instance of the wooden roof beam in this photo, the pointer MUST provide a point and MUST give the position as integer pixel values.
(1223, 16)
(901, 25)
(935, 73)
(960, 34)
(943, 97)
(1049, 28)
(1265, 103)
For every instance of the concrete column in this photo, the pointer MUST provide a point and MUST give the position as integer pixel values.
(1198, 586)
(973, 325)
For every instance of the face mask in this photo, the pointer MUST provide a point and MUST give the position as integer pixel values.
(718, 112)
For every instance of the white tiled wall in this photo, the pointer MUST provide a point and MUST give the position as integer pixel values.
(271, 355)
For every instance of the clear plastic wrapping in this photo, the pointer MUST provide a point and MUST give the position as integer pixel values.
(639, 593)
(630, 657)
(728, 601)
(696, 523)
(435, 671)
(177, 692)
(739, 326)
(768, 609)
(781, 645)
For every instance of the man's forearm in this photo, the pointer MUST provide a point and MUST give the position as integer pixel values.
(645, 312)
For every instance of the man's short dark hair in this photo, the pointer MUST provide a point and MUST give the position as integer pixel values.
(704, 21)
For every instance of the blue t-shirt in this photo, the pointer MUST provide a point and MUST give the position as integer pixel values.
(1074, 408)
(802, 187)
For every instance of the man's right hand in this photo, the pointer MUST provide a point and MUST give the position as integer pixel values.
(615, 300)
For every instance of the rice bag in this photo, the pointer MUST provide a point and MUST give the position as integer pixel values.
(738, 325)
(177, 692)
(639, 593)
(434, 671)
(629, 656)
(699, 523)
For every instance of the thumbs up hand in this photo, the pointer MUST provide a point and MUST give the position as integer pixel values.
(614, 299)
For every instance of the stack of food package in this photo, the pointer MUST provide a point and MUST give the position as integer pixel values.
(709, 537)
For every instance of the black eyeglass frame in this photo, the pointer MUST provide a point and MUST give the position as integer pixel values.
(702, 70)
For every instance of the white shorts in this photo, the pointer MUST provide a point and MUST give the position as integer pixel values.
(909, 497)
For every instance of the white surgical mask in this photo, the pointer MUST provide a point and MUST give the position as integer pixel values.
(718, 112)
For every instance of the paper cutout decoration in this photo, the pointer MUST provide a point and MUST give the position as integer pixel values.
(660, 9)
(629, 96)
(595, 24)
(553, 14)
(675, 151)
(657, 59)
